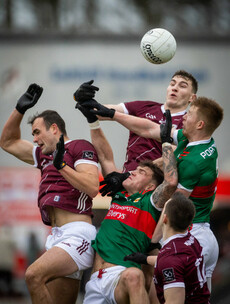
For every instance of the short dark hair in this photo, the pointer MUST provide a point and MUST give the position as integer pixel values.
(180, 211)
(188, 76)
(211, 112)
(158, 174)
(50, 117)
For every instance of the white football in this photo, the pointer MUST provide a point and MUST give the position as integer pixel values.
(158, 46)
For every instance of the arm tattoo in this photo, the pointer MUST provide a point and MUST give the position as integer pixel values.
(169, 162)
(164, 191)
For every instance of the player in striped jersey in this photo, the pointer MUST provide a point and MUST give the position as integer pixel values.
(69, 181)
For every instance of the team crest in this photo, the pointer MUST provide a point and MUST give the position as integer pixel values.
(56, 198)
(88, 154)
(168, 275)
(137, 200)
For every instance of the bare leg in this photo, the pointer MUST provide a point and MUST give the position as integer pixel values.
(131, 287)
(153, 294)
(64, 290)
(148, 271)
(54, 263)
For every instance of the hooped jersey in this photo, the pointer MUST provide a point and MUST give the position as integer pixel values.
(197, 164)
(54, 190)
(180, 264)
(140, 148)
(127, 227)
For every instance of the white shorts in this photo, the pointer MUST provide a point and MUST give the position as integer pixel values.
(75, 238)
(101, 286)
(208, 241)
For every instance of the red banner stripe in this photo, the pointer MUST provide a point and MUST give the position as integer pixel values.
(205, 191)
(133, 217)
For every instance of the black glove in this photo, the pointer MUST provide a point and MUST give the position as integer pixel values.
(113, 183)
(59, 154)
(85, 92)
(86, 112)
(100, 109)
(165, 129)
(137, 257)
(29, 98)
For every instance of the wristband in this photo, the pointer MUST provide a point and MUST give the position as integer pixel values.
(94, 125)
(153, 246)
(166, 144)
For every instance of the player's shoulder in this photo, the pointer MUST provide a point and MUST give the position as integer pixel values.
(204, 151)
(79, 144)
(144, 103)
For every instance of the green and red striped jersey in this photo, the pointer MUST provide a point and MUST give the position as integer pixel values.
(127, 227)
(197, 164)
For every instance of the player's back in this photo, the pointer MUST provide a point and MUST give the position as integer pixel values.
(181, 262)
(197, 173)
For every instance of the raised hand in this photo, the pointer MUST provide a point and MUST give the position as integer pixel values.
(59, 154)
(165, 129)
(113, 183)
(29, 98)
(98, 109)
(85, 92)
(86, 112)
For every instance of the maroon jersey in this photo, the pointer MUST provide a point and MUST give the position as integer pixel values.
(140, 148)
(180, 264)
(54, 190)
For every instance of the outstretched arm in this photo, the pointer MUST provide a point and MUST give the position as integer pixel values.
(117, 107)
(140, 126)
(99, 141)
(104, 151)
(112, 182)
(11, 140)
(165, 190)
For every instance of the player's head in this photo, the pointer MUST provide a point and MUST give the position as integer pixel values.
(203, 117)
(46, 130)
(179, 211)
(147, 176)
(210, 112)
(181, 91)
(50, 117)
(189, 77)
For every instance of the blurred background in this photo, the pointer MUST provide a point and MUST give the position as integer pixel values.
(61, 43)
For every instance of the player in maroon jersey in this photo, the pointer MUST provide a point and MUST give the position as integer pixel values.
(69, 181)
(181, 91)
(179, 267)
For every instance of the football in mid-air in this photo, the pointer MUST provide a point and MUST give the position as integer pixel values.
(158, 46)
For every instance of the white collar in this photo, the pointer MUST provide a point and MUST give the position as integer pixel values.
(174, 114)
(175, 236)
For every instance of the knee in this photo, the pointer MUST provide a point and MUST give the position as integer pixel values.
(32, 277)
(134, 278)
